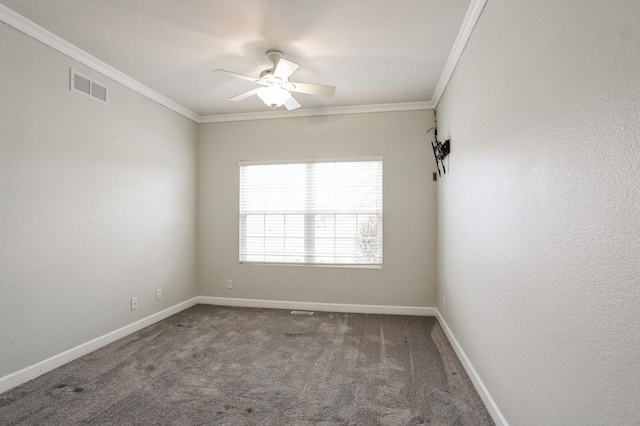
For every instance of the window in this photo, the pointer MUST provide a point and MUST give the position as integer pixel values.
(321, 212)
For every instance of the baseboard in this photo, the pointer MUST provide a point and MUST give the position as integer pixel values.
(486, 397)
(29, 373)
(482, 390)
(313, 306)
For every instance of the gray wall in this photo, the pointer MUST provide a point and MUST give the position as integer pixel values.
(539, 238)
(97, 205)
(408, 275)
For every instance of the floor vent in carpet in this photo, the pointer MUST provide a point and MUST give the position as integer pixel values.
(301, 313)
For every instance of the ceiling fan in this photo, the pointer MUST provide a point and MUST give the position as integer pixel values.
(278, 88)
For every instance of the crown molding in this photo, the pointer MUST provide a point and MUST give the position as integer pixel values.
(470, 20)
(311, 112)
(35, 31)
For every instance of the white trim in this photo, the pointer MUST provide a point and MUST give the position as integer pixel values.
(311, 264)
(312, 112)
(315, 306)
(32, 29)
(39, 33)
(244, 163)
(482, 390)
(470, 20)
(29, 373)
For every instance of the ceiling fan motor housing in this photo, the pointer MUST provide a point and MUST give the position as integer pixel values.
(265, 73)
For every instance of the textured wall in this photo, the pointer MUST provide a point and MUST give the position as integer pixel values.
(97, 205)
(539, 239)
(408, 275)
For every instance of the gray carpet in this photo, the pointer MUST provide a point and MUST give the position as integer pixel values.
(238, 366)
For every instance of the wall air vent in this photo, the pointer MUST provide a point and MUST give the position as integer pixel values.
(82, 84)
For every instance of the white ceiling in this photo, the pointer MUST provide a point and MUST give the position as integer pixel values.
(373, 51)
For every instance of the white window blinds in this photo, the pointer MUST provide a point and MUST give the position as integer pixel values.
(326, 212)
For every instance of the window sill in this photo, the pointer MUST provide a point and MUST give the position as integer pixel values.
(321, 265)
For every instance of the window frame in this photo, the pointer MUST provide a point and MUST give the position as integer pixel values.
(309, 215)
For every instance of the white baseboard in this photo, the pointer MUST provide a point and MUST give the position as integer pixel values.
(313, 306)
(482, 390)
(29, 373)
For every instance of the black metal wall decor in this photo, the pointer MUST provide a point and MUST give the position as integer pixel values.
(440, 151)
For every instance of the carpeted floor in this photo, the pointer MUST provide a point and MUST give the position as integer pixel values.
(213, 365)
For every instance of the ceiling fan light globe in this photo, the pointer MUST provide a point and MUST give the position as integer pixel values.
(273, 96)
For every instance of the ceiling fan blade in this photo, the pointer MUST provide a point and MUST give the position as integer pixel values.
(244, 95)
(284, 69)
(236, 75)
(291, 103)
(313, 89)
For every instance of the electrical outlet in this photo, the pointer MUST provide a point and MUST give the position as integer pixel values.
(159, 294)
(134, 303)
(229, 284)
(444, 304)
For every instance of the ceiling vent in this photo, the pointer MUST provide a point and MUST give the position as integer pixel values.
(82, 84)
